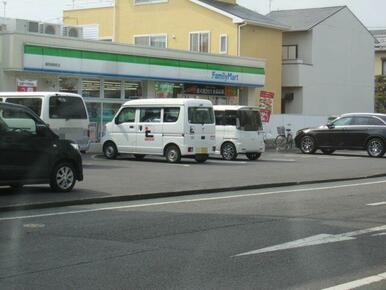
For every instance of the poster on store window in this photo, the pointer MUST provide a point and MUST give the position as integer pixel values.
(266, 105)
(26, 85)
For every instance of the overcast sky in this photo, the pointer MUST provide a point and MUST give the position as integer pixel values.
(371, 12)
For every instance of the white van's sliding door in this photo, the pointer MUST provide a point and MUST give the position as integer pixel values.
(149, 133)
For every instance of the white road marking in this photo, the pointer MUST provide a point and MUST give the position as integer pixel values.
(379, 235)
(34, 226)
(314, 240)
(280, 160)
(377, 203)
(227, 162)
(191, 200)
(359, 283)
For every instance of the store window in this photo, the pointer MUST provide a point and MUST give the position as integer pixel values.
(108, 113)
(91, 88)
(132, 90)
(69, 85)
(95, 114)
(158, 41)
(168, 90)
(199, 41)
(112, 89)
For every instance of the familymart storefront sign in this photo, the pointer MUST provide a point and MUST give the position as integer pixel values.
(83, 62)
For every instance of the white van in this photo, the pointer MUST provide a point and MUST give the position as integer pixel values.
(239, 130)
(168, 127)
(65, 113)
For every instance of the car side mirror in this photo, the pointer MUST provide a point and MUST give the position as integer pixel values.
(116, 121)
(43, 130)
(330, 126)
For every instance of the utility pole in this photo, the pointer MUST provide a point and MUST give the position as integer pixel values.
(270, 5)
(5, 7)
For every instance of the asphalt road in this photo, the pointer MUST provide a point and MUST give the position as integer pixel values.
(306, 237)
(128, 177)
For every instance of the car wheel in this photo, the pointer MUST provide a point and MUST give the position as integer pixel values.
(327, 151)
(63, 177)
(201, 158)
(376, 147)
(110, 150)
(228, 151)
(139, 156)
(173, 154)
(253, 156)
(307, 145)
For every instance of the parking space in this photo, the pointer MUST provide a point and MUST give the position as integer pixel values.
(128, 177)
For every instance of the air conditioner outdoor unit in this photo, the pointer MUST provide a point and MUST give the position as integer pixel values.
(32, 26)
(73, 31)
(3, 27)
(51, 29)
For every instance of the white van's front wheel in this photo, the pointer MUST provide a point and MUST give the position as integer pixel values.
(173, 154)
(110, 150)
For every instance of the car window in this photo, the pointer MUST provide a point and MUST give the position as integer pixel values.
(220, 118)
(366, 121)
(127, 115)
(35, 104)
(171, 115)
(17, 121)
(230, 118)
(64, 107)
(375, 122)
(343, 121)
(383, 118)
(150, 115)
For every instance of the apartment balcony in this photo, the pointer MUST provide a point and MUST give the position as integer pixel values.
(87, 4)
(295, 73)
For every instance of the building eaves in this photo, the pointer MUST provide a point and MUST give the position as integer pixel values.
(240, 14)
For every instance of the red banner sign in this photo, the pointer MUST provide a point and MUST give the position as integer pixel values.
(266, 105)
(26, 85)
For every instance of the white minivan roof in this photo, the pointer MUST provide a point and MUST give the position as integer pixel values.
(37, 94)
(168, 102)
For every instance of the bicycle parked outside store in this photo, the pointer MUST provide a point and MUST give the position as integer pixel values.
(284, 140)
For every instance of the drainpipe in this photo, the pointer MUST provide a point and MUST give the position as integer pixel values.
(114, 20)
(239, 38)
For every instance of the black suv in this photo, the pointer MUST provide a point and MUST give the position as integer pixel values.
(30, 153)
(350, 131)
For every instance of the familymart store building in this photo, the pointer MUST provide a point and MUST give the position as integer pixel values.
(108, 74)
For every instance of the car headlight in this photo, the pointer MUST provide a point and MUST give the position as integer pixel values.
(75, 146)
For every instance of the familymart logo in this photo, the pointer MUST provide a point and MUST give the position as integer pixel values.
(224, 76)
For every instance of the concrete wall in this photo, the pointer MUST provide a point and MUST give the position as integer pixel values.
(343, 66)
(265, 43)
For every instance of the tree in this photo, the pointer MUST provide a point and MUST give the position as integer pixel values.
(380, 94)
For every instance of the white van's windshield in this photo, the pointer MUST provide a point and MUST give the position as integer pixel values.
(66, 107)
(200, 115)
(35, 104)
(250, 120)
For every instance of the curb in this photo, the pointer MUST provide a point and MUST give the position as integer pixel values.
(146, 196)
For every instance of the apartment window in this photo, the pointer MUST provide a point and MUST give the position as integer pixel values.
(290, 52)
(158, 41)
(149, 1)
(199, 41)
(224, 43)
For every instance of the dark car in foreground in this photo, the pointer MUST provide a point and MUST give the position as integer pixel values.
(30, 153)
(361, 131)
